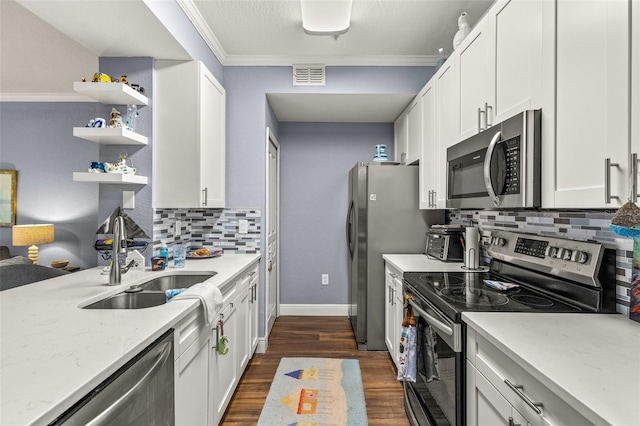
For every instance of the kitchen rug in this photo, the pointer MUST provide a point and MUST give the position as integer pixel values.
(315, 391)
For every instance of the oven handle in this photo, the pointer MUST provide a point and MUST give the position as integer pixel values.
(434, 322)
(487, 169)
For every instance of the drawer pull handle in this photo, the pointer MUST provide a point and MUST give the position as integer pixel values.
(512, 423)
(535, 406)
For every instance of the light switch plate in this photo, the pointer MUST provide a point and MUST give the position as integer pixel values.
(243, 226)
(128, 199)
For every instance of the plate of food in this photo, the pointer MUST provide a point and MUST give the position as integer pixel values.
(204, 252)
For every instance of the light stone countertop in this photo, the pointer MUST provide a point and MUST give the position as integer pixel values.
(591, 361)
(54, 353)
(420, 263)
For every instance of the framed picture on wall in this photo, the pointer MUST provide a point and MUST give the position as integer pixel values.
(8, 193)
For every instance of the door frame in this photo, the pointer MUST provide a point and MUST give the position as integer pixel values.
(271, 139)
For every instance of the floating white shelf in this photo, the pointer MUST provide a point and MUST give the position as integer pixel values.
(110, 135)
(111, 93)
(117, 178)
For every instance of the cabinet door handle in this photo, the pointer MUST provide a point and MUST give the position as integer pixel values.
(487, 108)
(204, 197)
(535, 406)
(480, 112)
(607, 180)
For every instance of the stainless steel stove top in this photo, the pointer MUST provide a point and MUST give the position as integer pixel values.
(551, 274)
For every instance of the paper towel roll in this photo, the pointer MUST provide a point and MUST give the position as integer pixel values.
(472, 248)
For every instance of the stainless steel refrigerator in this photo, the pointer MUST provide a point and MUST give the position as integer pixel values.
(383, 218)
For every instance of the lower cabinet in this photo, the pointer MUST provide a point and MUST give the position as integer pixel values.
(206, 373)
(486, 406)
(393, 310)
(253, 310)
(501, 392)
(192, 382)
(225, 376)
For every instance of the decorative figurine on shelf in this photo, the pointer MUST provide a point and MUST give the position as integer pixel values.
(121, 166)
(101, 77)
(97, 167)
(116, 119)
(97, 122)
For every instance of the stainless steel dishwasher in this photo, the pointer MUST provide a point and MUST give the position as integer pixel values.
(139, 393)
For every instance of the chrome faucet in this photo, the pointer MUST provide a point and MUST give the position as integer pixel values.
(119, 247)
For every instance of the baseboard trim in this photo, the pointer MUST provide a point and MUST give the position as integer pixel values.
(262, 346)
(314, 310)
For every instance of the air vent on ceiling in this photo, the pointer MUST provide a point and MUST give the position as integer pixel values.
(308, 75)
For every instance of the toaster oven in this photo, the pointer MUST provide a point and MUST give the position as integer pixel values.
(445, 244)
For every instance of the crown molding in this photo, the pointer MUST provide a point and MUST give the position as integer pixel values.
(44, 97)
(337, 60)
(210, 39)
(203, 29)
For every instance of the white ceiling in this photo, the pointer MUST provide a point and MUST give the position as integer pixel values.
(382, 32)
(269, 32)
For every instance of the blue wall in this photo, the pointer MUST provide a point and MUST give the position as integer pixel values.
(36, 140)
(315, 163)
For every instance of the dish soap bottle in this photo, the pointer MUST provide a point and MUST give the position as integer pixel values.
(164, 252)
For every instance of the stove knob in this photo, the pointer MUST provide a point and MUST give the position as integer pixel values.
(580, 257)
(499, 241)
(567, 254)
(550, 251)
(559, 254)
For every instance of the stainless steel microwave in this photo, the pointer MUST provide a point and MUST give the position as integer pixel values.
(499, 167)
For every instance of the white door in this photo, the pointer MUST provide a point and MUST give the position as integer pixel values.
(273, 201)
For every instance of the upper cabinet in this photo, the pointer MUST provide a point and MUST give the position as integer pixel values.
(499, 66)
(438, 108)
(189, 151)
(587, 145)
(400, 132)
(408, 134)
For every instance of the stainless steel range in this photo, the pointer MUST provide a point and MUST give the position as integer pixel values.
(544, 274)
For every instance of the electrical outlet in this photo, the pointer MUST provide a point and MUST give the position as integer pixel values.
(177, 228)
(325, 279)
(244, 226)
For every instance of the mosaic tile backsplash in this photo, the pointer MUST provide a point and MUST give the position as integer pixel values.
(579, 225)
(207, 228)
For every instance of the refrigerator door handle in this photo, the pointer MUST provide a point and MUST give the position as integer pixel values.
(350, 228)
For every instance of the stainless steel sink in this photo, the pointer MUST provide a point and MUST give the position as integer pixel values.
(149, 293)
(138, 300)
(167, 282)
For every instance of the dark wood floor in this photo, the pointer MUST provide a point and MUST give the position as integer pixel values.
(324, 337)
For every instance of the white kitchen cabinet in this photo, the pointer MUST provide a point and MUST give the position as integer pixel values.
(586, 141)
(189, 149)
(401, 131)
(393, 310)
(414, 132)
(243, 350)
(486, 406)
(499, 66)
(408, 134)
(428, 167)
(445, 126)
(192, 339)
(110, 94)
(253, 310)
(498, 388)
(225, 374)
(192, 382)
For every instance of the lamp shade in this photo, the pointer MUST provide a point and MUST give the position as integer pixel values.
(326, 17)
(27, 235)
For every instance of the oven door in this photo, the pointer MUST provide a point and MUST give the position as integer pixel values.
(437, 396)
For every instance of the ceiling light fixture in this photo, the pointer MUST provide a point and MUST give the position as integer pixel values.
(326, 17)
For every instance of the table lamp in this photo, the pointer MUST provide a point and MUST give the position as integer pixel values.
(30, 235)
